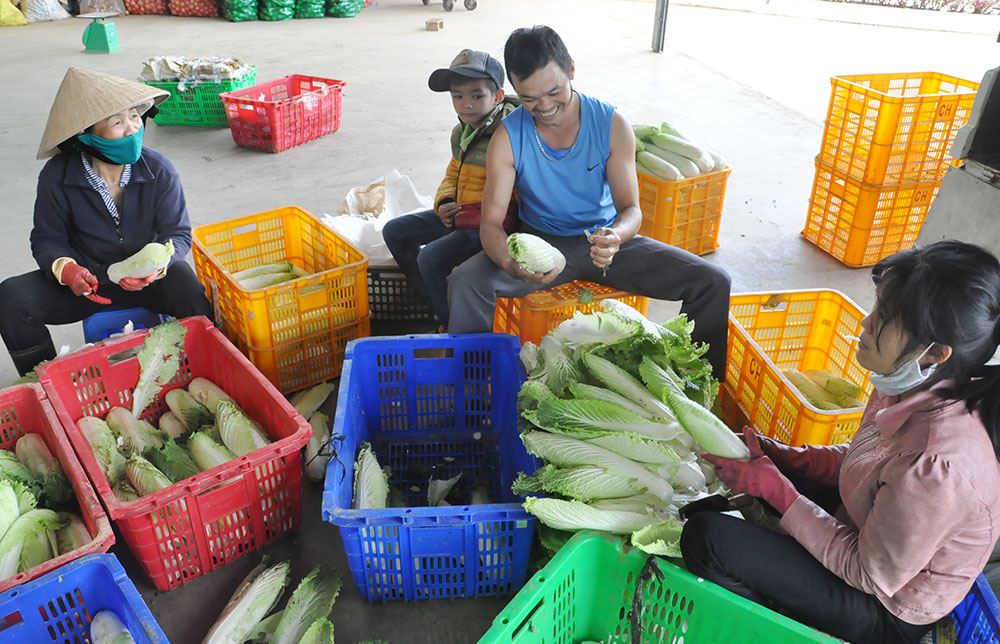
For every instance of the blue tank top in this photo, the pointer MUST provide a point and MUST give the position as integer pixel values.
(571, 195)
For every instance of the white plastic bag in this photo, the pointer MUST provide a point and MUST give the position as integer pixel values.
(366, 209)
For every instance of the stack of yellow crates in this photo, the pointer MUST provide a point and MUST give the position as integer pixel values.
(886, 147)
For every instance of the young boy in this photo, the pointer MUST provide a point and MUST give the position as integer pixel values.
(475, 80)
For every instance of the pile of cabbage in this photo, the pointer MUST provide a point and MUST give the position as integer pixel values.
(617, 408)
(203, 428)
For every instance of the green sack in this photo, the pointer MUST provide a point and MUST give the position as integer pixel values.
(276, 9)
(238, 10)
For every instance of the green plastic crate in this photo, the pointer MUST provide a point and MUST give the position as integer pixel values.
(200, 104)
(586, 593)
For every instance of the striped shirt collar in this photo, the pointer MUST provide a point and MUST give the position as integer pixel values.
(101, 186)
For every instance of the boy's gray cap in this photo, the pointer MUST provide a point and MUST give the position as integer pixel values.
(469, 64)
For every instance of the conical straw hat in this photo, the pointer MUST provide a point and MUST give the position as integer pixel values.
(86, 97)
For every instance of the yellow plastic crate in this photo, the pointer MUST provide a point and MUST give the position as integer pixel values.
(861, 223)
(893, 128)
(685, 213)
(294, 332)
(532, 316)
(802, 330)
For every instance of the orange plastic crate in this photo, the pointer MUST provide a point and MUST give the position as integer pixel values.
(769, 332)
(203, 522)
(25, 409)
(860, 223)
(684, 213)
(295, 332)
(532, 316)
(892, 128)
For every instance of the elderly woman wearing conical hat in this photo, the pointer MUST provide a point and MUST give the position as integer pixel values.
(101, 198)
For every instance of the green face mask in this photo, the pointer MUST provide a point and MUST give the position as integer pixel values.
(122, 151)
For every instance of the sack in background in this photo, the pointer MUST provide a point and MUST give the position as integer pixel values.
(104, 6)
(10, 16)
(366, 209)
(43, 10)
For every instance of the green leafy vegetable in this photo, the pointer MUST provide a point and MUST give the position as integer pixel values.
(371, 485)
(173, 460)
(107, 628)
(253, 599)
(104, 446)
(534, 254)
(188, 410)
(308, 401)
(585, 414)
(208, 394)
(25, 528)
(206, 453)
(133, 435)
(12, 470)
(574, 515)
(9, 510)
(72, 535)
(159, 360)
(151, 258)
(584, 483)
(312, 600)
(239, 433)
(144, 476)
(662, 539)
(34, 454)
(569, 452)
(320, 632)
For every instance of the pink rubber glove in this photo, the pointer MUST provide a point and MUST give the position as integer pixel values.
(757, 477)
(806, 462)
(136, 283)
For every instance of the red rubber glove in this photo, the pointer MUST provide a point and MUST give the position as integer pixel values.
(757, 477)
(81, 282)
(136, 283)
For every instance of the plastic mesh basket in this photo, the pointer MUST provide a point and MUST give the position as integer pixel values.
(802, 330)
(444, 404)
(586, 592)
(59, 606)
(205, 521)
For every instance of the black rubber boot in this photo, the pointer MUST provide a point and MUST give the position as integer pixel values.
(27, 359)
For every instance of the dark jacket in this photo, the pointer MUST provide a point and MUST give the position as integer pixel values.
(71, 220)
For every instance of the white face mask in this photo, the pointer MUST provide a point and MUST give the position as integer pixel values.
(905, 378)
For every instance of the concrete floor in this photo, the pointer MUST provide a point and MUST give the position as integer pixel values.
(749, 78)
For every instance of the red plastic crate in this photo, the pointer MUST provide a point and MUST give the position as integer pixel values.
(24, 409)
(283, 113)
(201, 523)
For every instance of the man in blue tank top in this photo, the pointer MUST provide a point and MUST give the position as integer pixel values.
(571, 159)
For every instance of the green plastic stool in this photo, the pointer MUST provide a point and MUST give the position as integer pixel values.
(100, 37)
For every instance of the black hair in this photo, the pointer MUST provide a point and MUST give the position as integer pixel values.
(458, 79)
(948, 293)
(530, 48)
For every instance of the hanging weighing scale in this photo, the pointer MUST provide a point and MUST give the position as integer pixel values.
(100, 37)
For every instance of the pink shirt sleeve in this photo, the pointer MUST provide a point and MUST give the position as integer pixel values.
(917, 506)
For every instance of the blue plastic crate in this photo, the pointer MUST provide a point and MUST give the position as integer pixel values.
(59, 606)
(432, 404)
(975, 621)
(101, 325)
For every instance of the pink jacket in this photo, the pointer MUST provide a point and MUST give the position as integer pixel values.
(920, 486)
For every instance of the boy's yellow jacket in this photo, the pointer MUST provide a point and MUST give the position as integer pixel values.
(465, 177)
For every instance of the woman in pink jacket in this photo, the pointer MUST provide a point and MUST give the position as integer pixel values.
(886, 535)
